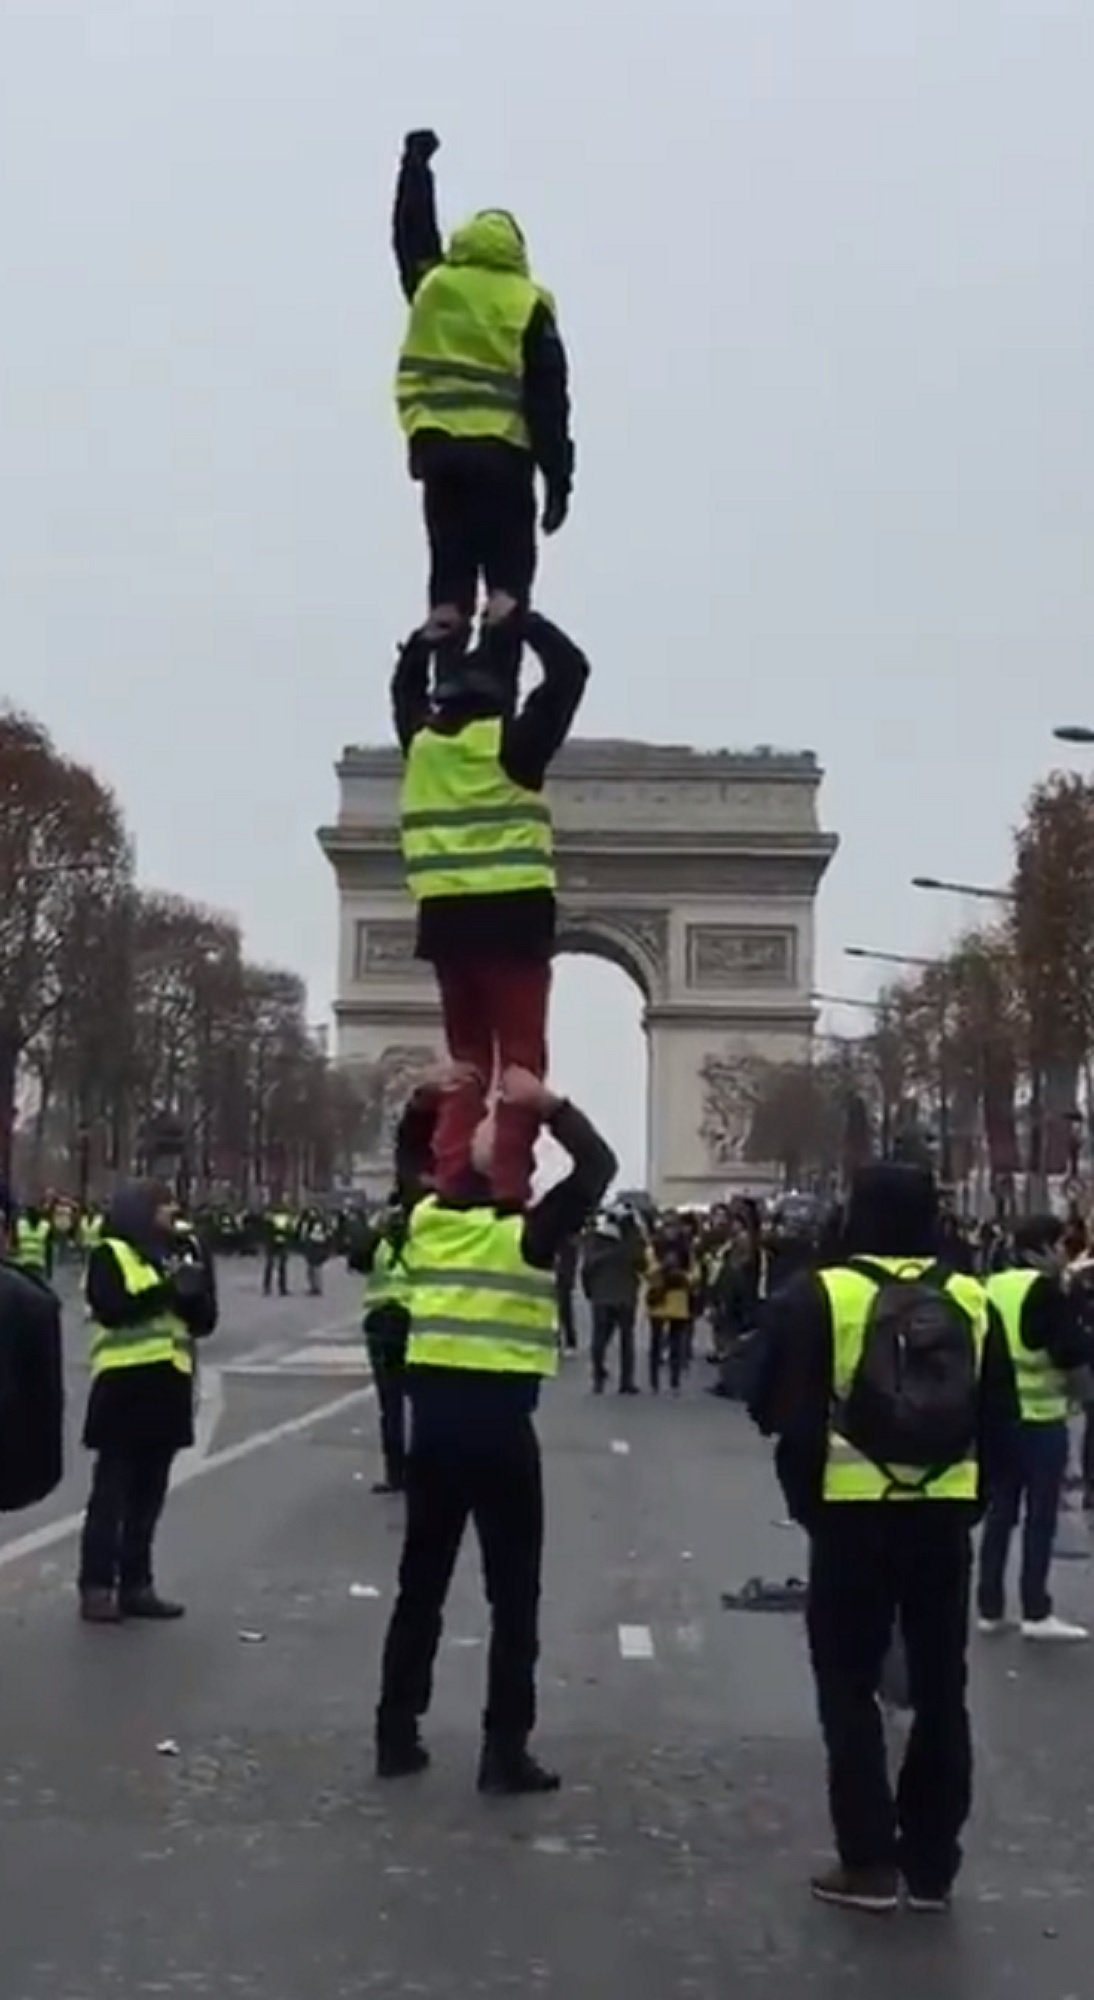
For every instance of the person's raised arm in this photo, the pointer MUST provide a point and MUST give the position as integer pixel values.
(533, 737)
(415, 231)
(564, 1209)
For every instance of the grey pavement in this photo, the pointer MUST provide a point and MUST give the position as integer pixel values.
(264, 1859)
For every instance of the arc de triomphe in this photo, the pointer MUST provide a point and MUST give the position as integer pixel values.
(694, 871)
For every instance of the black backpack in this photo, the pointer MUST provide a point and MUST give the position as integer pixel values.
(914, 1397)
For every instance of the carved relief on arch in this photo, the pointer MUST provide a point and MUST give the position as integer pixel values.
(635, 940)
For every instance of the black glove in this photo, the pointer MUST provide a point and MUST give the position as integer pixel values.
(190, 1282)
(421, 146)
(555, 509)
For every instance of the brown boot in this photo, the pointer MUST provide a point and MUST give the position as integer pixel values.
(100, 1607)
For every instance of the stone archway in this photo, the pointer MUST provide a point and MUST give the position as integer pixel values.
(696, 872)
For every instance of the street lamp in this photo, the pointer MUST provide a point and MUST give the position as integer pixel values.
(845, 1000)
(889, 957)
(963, 889)
(1073, 732)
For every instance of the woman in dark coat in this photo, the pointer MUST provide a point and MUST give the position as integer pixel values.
(138, 1416)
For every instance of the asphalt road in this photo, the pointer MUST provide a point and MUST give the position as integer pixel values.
(264, 1860)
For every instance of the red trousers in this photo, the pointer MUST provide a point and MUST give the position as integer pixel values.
(495, 1014)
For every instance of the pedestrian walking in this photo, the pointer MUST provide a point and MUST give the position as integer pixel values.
(147, 1308)
(1050, 1348)
(613, 1263)
(483, 1337)
(887, 1383)
(482, 395)
(278, 1235)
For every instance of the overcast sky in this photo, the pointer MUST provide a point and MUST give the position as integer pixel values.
(825, 273)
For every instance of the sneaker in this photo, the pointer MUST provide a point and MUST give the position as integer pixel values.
(401, 1756)
(875, 1890)
(509, 1773)
(923, 1903)
(149, 1604)
(1053, 1628)
(991, 1627)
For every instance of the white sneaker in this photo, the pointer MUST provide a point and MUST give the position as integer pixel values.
(1053, 1628)
(991, 1627)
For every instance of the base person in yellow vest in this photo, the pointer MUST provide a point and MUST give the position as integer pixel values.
(887, 1382)
(482, 394)
(1048, 1346)
(32, 1242)
(483, 1337)
(478, 849)
(147, 1307)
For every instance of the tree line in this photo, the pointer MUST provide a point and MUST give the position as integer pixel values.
(982, 1061)
(135, 1034)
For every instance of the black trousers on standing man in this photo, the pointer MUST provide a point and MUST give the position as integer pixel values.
(128, 1490)
(607, 1322)
(871, 1566)
(493, 1475)
(480, 517)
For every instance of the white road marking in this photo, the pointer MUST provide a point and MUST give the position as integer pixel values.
(620, 1447)
(343, 1357)
(59, 1531)
(636, 1642)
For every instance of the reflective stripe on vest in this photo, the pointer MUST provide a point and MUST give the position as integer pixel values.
(474, 1300)
(32, 1244)
(461, 370)
(1042, 1394)
(467, 829)
(163, 1338)
(848, 1475)
(387, 1283)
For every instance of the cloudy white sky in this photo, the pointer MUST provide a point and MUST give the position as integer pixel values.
(825, 270)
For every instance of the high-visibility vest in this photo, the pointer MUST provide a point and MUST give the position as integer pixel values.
(467, 829)
(1042, 1392)
(31, 1244)
(848, 1474)
(388, 1282)
(161, 1338)
(281, 1226)
(475, 1301)
(461, 370)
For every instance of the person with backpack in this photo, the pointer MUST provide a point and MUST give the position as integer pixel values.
(1052, 1351)
(886, 1380)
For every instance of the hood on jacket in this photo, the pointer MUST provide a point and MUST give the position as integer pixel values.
(892, 1212)
(132, 1217)
(494, 239)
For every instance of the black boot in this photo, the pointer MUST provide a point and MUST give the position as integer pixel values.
(100, 1607)
(148, 1603)
(508, 1770)
(400, 1752)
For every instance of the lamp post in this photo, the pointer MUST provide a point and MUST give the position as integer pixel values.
(939, 883)
(945, 1151)
(1073, 732)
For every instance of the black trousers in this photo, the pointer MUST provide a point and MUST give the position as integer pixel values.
(870, 1567)
(607, 1322)
(128, 1490)
(496, 1479)
(277, 1261)
(566, 1323)
(668, 1339)
(480, 517)
(389, 1376)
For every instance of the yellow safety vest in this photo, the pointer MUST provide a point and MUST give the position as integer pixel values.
(467, 829)
(31, 1244)
(281, 1226)
(848, 1475)
(1042, 1392)
(461, 370)
(475, 1302)
(387, 1283)
(162, 1338)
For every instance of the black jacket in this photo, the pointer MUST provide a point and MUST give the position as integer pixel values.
(520, 925)
(31, 1390)
(149, 1407)
(458, 1405)
(790, 1398)
(418, 247)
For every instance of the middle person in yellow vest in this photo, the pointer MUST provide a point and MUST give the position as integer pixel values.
(482, 394)
(479, 855)
(483, 1336)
